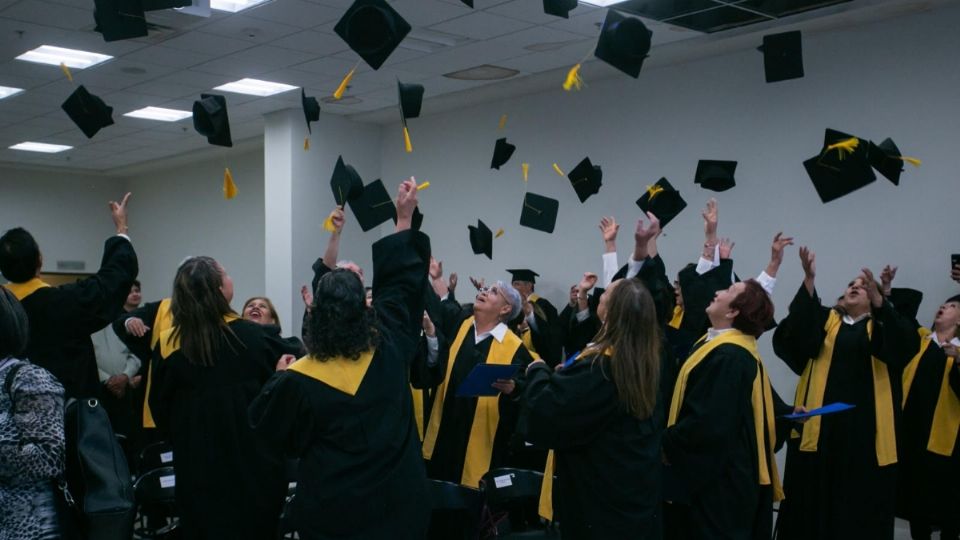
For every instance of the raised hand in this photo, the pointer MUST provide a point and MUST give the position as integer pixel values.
(644, 232)
(428, 327)
(477, 283)
(808, 260)
(452, 281)
(609, 229)
(406, 203)
(118, 211)
(710, 220)
(307, 297)
(338, 219)
(886, 279)
(436, 268)
(872, 288)
(135, 327)
(588, 281)
(779, 243)
(726, 248)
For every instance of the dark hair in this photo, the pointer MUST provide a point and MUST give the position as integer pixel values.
(664, 297)
(756, 309)
(19, 255)
(14, 325)
(270, 306)
(340, 323)
(198, 307)
(632, 332)
(136, 283)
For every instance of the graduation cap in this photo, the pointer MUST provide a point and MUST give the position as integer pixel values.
(715, 175)
(906, 301)
(624, 43)
(119, 19)
(887, 160)
(782, 56)
(586, 179)
(501, 153)
(87, 111)
(663, 201)
(373, 30)
(345, 183)
(374, 206)
(410, 99)
(469, 3)
(842, 166)
(523, 274)
(210, 119)
(539, 212)
(311, 109)
(481, 239)
(560, 8)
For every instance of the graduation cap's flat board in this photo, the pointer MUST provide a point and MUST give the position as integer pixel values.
(836, 172)
(624, 43)
(885, 158)
(560, 8)
(539, 212)
(311, 109)
(663, 201)
(210, 119)
(522, 274)
(502, 151)
(87, 111)
(782, 56)
(119, 19)
(468, 3)
(411, 99)
(586, 179)
(373, 30)
(345, 183)
(715, 175)
(374, 206)
(481, 239)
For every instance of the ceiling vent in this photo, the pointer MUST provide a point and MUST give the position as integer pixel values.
(717, 15)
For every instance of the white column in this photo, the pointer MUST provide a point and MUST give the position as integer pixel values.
(278, 217)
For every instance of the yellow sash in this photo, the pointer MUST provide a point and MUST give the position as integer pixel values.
(813, 384)
(25, 289)
(761, 402)
(341, 373)
(946, 414)
(161, 323)
(487, 415)
(677, 317)
(170, 344)
(418, 409)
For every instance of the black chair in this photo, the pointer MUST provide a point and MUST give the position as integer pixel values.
(154, 456)
(157, 515)
(454, 507)
(514, 491)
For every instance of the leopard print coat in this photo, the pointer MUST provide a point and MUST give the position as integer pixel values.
(31, 452)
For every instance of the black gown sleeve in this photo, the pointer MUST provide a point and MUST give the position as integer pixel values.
(100, 298)
(546, 338)
(399, 268)
(139, 346)
(163, 389)
(894, 339)
(799, 336)
(281, 417)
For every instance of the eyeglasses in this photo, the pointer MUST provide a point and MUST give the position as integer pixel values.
(494, 290)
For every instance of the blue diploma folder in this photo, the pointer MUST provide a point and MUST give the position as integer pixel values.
(481, 378)
(826, 409)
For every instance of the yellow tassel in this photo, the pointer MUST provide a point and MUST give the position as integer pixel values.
(846, 146)
(423, 186)
(66, 71)
(328, 223)
(229, 188)
(338, 93)
(911, 160)
(503, 122)
(407, 145)
(558, 170)
(499, 233)
(526, 170)
(573, 80)
(306, 143)
(653, 191)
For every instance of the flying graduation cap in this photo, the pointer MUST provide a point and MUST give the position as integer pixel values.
(210, 119)
(410, 99)
(715, 175)
(560, 8)
(841, 167)
(345, 183)
(586, 179)
(374, 206)
(373, 30)
(502, 151)
(311, 109)
(481, 239)
(119, 19)
(539, 212)
(782, 56)
(663, 201)
(888, 161)
(87, 111)
(624, 43)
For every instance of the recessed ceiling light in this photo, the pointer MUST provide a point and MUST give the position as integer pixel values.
(48, 54)
(254, 87)
(485, 72)
(601, 3)
(159, 113)
(40, 147)
(6, 91)
(234, 6)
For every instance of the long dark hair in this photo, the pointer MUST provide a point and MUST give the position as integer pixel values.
(632, 333)
(198, 307)
(340, 323)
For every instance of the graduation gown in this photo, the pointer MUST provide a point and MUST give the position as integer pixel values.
(546, 340)
(360, 472)
(577, 334)
(840, 482)
(229, 485)
(607, 461)
(62, 318)
(928, 486)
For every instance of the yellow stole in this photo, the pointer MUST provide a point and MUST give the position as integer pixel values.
(170, 344)
(418, 409)
(761, 400)
(161, 323)
(946, 415)
(339, 372)
(487, 415)
(677, 317)
(813, 384)
(25, 289)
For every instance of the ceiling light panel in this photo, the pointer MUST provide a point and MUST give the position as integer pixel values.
(72, 58)
(254, 87)
(45, 148)
(160, 114)
(6, 91)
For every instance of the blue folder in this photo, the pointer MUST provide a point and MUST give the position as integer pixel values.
(481, 378)
(826, 409)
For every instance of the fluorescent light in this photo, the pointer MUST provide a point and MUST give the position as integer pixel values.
(254, 87)
(40, 147)
(159, 113)
(48, 54)
(6, 91)
(601, 3)
(234, 6)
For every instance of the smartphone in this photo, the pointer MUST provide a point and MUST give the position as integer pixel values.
(954, 260)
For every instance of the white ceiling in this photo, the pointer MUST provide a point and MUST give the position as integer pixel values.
(289, 41)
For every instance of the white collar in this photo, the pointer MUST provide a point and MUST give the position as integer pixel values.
(847, 319)
(498, 332)
(713, 332)
(936, 339)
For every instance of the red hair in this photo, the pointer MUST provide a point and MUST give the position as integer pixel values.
(755, 309)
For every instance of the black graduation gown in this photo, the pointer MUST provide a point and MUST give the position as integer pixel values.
(229, 485)
(62, 319)
(928, 488)
(607, 461)
(840, 491)
(547, 339)
(577, 334)
(360, 473)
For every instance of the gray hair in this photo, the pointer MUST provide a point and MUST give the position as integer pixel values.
(513, 298)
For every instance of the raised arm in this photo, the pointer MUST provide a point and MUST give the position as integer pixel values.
(768, 278)
(608, 230)
(894, 338)
(799, 336)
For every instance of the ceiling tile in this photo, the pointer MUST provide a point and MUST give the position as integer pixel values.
(420, 13)
(168, 57)
(249, 29)
(532, 11)
(47, 14)
(585, 23)
(481, 25)
(295, 13)
(253, 62)
(209, 44)
(317, 43)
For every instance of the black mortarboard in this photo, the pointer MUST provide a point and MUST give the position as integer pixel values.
(624, 43)
(87, 111)
(345, 182)
(411, 98)
(468, 2)
(586, 179)
(715, 175)
(372, 29)
(906, 301)
(887, 160)
(210, 119)
(311, 109)
(539, 212)
(560, 8)
(842, 166)
(501, 153)
(782, 56)
(954, 298)
(663, 201)
(119, 19)
(374, 206)
(522, 274)
(481, 239)
(416, 220)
